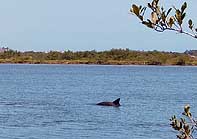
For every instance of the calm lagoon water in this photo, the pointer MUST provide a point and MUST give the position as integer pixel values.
(58, 101)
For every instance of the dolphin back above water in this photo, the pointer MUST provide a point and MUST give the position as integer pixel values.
(115, 103)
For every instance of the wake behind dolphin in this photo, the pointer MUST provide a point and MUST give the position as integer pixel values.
(115, 103)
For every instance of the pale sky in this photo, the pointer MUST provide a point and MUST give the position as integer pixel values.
(43, 25)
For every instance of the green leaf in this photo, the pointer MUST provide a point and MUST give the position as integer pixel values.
(140, 7)
(187, 110)
(183, 7)
(154, 17)
(182, 120)
(178, 16)
(183, 16)
(171, 21)
(142, 11)
(187, 129)
(135, 9)
(162, 9)
(169, 10)
(141, 17)
(148, 24)
(150, 6)
(155, 3)
(158, 10)
(190, 24)
(163, 17)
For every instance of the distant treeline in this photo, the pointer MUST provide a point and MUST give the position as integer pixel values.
(191, 52)
(113, 56)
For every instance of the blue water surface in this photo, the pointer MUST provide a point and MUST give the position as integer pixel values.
(58, 101)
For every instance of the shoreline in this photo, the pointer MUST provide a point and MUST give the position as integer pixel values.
(112, 57)
(78, 62)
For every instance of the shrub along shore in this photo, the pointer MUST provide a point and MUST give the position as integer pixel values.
(110, 57)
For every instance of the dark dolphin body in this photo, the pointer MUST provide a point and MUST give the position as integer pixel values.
(114, 103)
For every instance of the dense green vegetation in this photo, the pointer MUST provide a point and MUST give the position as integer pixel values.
(113, 56)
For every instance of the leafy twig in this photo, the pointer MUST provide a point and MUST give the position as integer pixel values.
(161, 20)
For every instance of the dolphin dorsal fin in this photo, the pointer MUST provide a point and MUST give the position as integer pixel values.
(116, 102)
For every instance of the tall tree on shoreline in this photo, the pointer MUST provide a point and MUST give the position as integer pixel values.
(162, 19)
